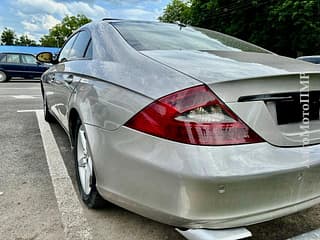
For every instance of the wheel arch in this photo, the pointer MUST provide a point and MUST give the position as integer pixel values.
(94, 199)
(74, 118)
(42, 89)
(8, 76)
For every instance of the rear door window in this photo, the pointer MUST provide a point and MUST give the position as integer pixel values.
(78, 49)
(13, 58)
(28, 59)
(65, 52)
(3, 58)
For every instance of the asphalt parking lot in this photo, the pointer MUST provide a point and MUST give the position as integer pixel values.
(30, 207)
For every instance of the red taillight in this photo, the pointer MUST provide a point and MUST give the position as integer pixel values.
(193, 116)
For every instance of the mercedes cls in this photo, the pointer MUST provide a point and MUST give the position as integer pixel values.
(184, 125)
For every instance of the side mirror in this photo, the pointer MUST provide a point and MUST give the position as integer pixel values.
(45, 57)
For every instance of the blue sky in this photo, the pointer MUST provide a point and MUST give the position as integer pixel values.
(35, 17)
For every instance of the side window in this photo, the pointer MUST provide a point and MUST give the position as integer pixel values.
(3, 58)
(65, 52)
(13, 58)
(28, 59)
(79, 47)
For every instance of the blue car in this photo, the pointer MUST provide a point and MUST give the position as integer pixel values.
(22, 65)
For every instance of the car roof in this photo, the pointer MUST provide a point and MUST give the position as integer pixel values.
(93, 24)
(111, 20)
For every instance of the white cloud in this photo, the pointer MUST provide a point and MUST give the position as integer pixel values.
(138, 13)
(60, 9)
(133, 2)
(91, 11)
(30, 26)
(48, 21)
(42, 6)
(38, 16)
(39, 22)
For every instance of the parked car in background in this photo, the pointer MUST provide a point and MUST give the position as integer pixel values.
(184, 125)
(22, 65)
(312, 59)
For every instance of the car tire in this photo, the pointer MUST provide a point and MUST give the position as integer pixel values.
(85, 176)
(47, 115)
(3, 77)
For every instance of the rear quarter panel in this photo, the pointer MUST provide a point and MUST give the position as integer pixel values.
(106, 105)
(119, 81)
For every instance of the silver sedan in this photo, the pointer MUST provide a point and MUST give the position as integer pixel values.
(187, 126)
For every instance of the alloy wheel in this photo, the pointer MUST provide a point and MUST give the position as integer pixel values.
(84, 159)
(3, 77)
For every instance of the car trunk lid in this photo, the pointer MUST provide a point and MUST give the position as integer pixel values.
(283, 109)
(278, 97)
(220, 66)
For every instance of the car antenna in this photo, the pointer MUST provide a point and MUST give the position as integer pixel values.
(180, 24)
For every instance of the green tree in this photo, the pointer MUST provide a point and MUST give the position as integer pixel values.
(24, 40)
(296, 27)
(248, 20)
(60, 32)
(8, 36)
(177, 10)
(287, 27)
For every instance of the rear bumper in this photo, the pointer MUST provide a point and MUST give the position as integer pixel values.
(203, 187)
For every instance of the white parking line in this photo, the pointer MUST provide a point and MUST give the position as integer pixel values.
(20, 96)
(313, 235)
(26, 96)
(74, 222)
(4, 88)
(31, 110)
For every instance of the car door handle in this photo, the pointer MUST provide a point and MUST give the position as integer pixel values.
(68, 78)
(52, 79)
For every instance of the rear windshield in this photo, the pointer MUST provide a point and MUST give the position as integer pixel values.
(162, 36)
(312, 60)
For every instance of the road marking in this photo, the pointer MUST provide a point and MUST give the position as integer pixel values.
(74, 222)
(313, 235)
(26, 96)
(31, 110)
(1, 88)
